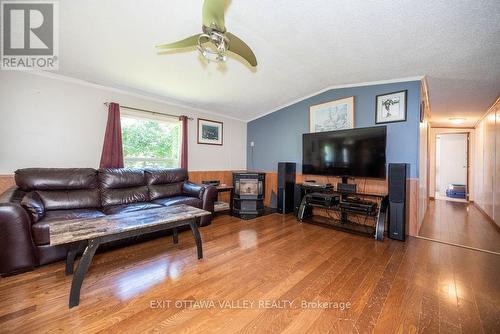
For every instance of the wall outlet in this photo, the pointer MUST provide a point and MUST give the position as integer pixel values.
(252, 144)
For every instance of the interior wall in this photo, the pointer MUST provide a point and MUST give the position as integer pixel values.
(60, 122)
(278, 136)
(487, 181)
(472, 162)
(496, 194)
(423, 156)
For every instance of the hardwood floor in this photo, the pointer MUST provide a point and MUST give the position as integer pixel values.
(417, 286)
(460, 223)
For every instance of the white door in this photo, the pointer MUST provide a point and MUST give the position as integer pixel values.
(451, 161)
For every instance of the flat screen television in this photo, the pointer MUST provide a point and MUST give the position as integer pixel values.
(356, 152)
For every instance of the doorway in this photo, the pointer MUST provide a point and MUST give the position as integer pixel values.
(447, 220)
(452, 161)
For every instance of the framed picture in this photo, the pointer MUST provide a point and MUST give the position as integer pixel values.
(333, 115)
(209, 132)
(391, 107)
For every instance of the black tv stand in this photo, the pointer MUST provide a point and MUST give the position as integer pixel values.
(373, 206)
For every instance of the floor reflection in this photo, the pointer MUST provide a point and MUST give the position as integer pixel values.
(450, 289)
(461, 224)
(248, 239)
(138, 280)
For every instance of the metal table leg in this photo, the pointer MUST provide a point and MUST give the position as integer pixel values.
(381, 218)
(302, 209)
(175, 235)
(81, 270)
(70, 258)
(197, 238)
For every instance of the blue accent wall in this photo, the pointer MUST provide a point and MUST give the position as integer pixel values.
(278, 136)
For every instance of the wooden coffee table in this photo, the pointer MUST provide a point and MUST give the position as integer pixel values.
(90, 233)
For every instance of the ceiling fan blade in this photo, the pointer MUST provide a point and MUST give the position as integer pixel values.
(185, 43)
(213, 14)
(239, 47)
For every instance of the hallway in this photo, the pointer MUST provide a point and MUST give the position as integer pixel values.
(460, 223)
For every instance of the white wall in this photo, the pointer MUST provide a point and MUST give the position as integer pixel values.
(423, 196)
(423, 155)
(487, 181)
(60, 122)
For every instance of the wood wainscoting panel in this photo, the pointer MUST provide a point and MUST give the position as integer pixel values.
(225, 177)
(372, 186)
(6, 181)
(271, 188)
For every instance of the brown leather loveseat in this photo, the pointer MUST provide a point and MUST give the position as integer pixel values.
(42, 195)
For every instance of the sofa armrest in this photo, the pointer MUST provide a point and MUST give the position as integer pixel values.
(33, 204)
(205, 192)
(193, 189)
(209, 198)
(17, 251)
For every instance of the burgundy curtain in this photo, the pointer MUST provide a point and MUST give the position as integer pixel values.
(184, 142)
(112, 149)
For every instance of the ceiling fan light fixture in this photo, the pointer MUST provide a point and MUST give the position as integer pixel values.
(220, 43)
(215, 43)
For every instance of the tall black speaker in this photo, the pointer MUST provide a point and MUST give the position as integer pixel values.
(399, 200)
(286, 187)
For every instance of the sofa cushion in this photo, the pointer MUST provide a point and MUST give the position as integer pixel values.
(193, 189)
(29, 179)
(110, 197)
(122, 186)
(70, 199)
(165, 190)
(41, 228)
(111, 210)
(61, 188)
(116, 178)
(165, 182)
(176, 200)
(164, 176)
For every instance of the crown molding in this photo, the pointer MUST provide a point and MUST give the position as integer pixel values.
(155, 98)
(497, 100)
(361, 84)
(130, 92)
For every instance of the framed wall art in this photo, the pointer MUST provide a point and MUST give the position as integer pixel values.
(331, 116)
(210, 132)
(391, 107)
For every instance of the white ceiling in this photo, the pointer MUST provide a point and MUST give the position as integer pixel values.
(302, 47)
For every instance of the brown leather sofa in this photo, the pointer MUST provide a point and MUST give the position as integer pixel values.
(46, 194)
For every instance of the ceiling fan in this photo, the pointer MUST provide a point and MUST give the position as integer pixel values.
(215, 41)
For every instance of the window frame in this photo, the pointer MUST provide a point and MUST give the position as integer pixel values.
(157, 117)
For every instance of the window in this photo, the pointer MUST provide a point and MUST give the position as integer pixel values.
(150, 140)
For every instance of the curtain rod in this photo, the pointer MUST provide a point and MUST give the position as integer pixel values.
(148, 111)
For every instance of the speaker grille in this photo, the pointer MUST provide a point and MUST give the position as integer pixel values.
(397, 182)
(286, 184)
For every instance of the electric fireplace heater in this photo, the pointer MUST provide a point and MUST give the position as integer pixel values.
(248, 194)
